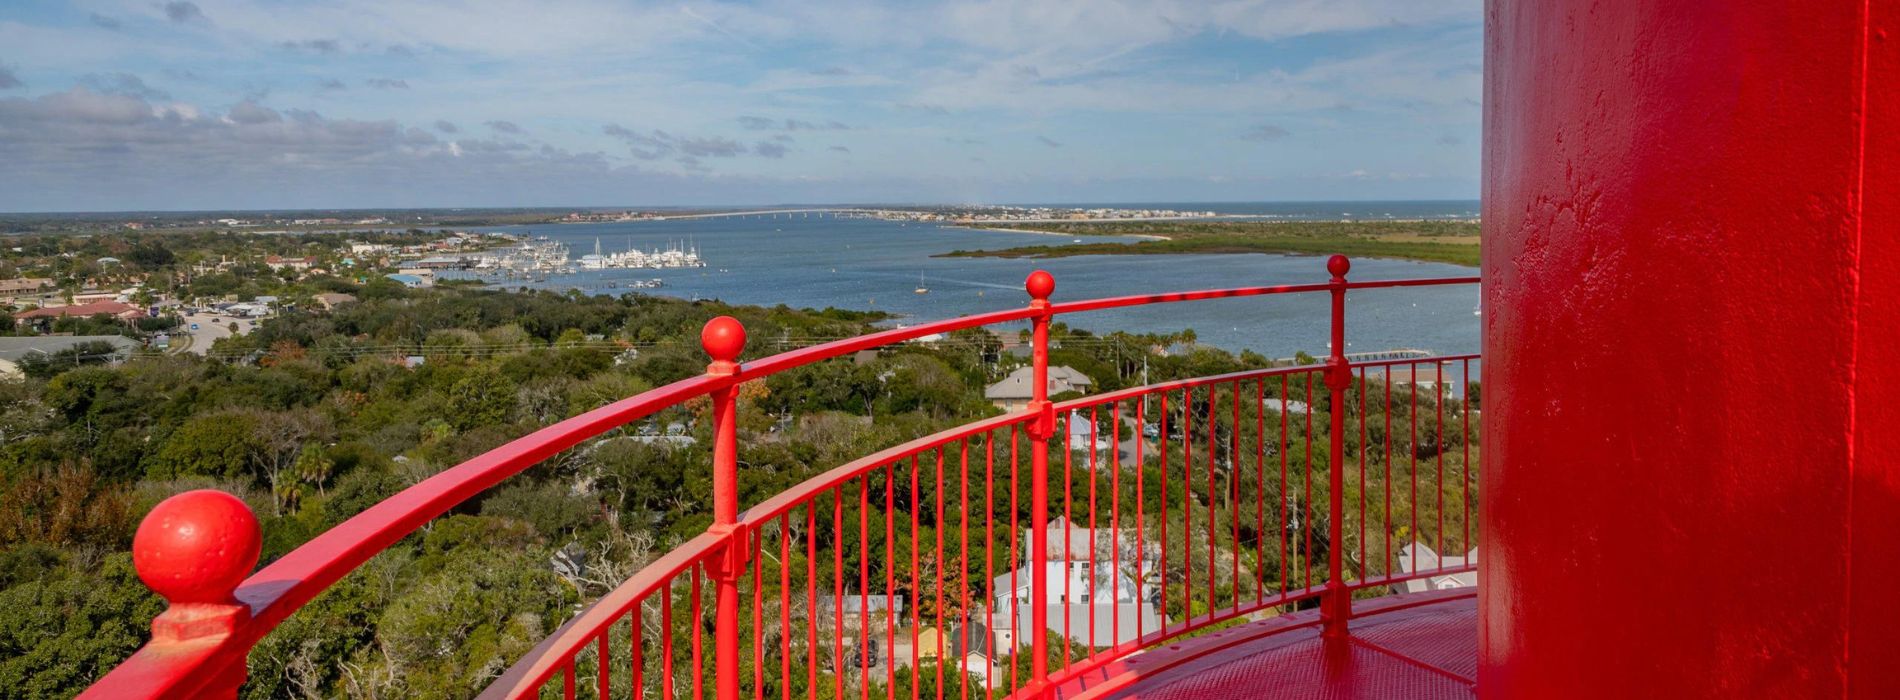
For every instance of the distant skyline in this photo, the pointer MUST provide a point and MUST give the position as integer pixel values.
(240, 104)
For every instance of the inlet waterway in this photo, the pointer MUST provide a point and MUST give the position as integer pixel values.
(871, 264)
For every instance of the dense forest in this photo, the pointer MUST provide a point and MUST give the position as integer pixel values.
(319, 414)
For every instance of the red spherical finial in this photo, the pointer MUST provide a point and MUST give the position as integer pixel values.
(197, 546)
(1339, 265)
(1040, 285)
(723, 338)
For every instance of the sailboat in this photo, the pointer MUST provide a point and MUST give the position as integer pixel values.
(921, 289)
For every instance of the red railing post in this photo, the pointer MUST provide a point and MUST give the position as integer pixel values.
(723, 339)
(1039, 285)
(194, 549)
(1336, 604)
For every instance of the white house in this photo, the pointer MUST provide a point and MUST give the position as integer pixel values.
(1014, 391)
(1083, 432)
(1419, 557)
(1120, 606)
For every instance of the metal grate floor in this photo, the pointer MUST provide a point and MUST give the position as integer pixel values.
(1415, 653)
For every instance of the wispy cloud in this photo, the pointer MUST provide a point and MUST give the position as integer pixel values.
(8, 79)
(656, 144)
(322, 46)
(387, 83)
(1046, 141)
(123, 84)
(504, 127)
(1265, 132)
(182, 12)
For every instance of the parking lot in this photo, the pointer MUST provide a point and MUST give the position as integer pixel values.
(210, 327)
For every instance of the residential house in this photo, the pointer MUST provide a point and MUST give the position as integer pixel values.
(24, 286)
(116, 309)
(331, 300)
(412, 281)
(14, 350)
(1417, 556)
(298, 264)
(1014, 391)
(1429, 376)
(1084, 436)
(1087, 600)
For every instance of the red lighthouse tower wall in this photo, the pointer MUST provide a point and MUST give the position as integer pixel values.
(1692, 308)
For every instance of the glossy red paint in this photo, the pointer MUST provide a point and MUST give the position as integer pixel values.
(1873, 641)
(1336, 606)
(1689, 258)
(1039, 285)
(197, 546)
(723, 339)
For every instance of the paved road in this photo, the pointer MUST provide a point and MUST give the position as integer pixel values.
(211, 327)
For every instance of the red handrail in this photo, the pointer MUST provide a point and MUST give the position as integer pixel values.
(200, 642)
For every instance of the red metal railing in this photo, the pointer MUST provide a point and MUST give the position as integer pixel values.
(918, 571)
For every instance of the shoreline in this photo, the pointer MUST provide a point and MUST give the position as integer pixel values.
(1143, 236)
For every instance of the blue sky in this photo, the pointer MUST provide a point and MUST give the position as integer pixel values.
(197, 104)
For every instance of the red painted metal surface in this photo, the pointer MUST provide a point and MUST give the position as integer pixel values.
(1694, 199)
(1219, 423)
(1405, 647)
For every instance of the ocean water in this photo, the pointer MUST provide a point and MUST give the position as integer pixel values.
(871, 264)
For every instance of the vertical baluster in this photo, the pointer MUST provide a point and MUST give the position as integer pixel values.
(1365, 546)
(636, 652)
(785, 605)
(1464, 434)
(1438, 446)
(1213, 522)
(1233, 492)
(1162, 577)
(1306, 502)
(1187, 508)
(963, 568)
(1338, 601)
(1260, 491)
(938, 565)
(1094, 418)
(1015, 562)
(696, 620)
(1141, 545)
(1411, 451)
(837, 592)
(890, 581)
(811, 599)
(723, 338)
(1039, 285)
(1286, 444)
(603, 664)
(1115, 524)
(1386, 408)
(1068, 517)
(989, 559)
(666, 641)
(864, 586)
(758, 625)
(916, 589)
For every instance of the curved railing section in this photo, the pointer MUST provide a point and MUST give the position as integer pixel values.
(995, 559)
